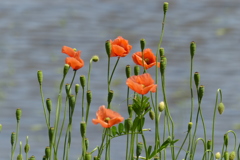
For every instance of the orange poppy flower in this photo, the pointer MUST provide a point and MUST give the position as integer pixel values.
(141, 84)
(106, 117)
(120, 47)
(147, 60)
(74, 59)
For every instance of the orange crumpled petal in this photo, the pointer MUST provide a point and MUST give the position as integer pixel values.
(120, 47)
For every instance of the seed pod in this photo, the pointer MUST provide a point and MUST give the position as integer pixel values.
(192, 49)
(40, 77)
(197, 79)
(47, 152)
(83, 129)
(49, 104)
(108, 47)
(165, 7)
(136, 70)
(13, 138)
(142, 44)
(18, 114)
(82, 81)
(128, 71)
(65, 69)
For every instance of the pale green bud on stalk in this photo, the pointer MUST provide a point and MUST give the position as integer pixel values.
(201, 92)
(130, 111)
(162, 52)
(20, 157)
(49, 104)
(0, 127)
(108, 47)
(165, 7)
(83, 129)
(40, 77)
(226, 155)
(65, 69)
(136, 70)
(192, 49)
(225, 138)
(209, 144)
(47, 152)
(82, 81)
(86, 143)
(95, 58)
(152, 114)
(197, 79)
(232, 155)
(221, 108)
(26, 148)
(128, 123)
(13, 138)
(161, 106)
(139, 149)
(77, 86)
(128, 71)
(32, 158)
(89, 96)
(218, 155)
(190, 126)
(51, 134)
(110, 96)
(18, 114)
(88, 156)
(142, 44)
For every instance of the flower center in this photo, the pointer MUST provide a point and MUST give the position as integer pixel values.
(75, 49)
(146, 60)
(107, 119)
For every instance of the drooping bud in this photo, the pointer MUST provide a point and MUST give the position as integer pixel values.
(218, 155)
(197, 79)
(225, 138)
(47, 152)
(136, 70)
(209, 144)
(51, 134)
(192, 49)
(83, 129)
(221, 108)
(110, 96)
(128, 71)
(162, 52)
(95, 58)
(18, 114)
(49, 104)
(128, 123)
(201, 92)
(190, 126)
(139, 149)
(89, 96)
(65, 69)
(165, 7)
(108, 47)
(232, 155)
(161, 106)
(40, 77)
(77, 86)
(142, 44)
(152, 114)
(82, 81)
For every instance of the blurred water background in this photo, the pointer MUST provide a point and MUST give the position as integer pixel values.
(33, 32)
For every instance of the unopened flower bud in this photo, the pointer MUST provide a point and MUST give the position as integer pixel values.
(47, 152)
(225, 138)
(20, 157)
(201, 92)
(197, 79)
(40, 77)
(13, 138)
(26, 148)
(49, 104)
(128, 124)
(65, 69)
(108, 47)
(162, 52)
(165, 7)
(95, 58)
(110, 96)
(77, 86)
(190, 126)
(130, 111)
(136, 70)
(86, 143)
(139, 149)
(152, 114)
(128, 71)
(89, 96)
(18, 114)
(68, 89)
(232, 155)
(192, 49)
(221, 108)
(83, 129)
(142, 44)
(82, 81)
(161, 106)
(218, 155)
(226, 155)
(72, 101)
